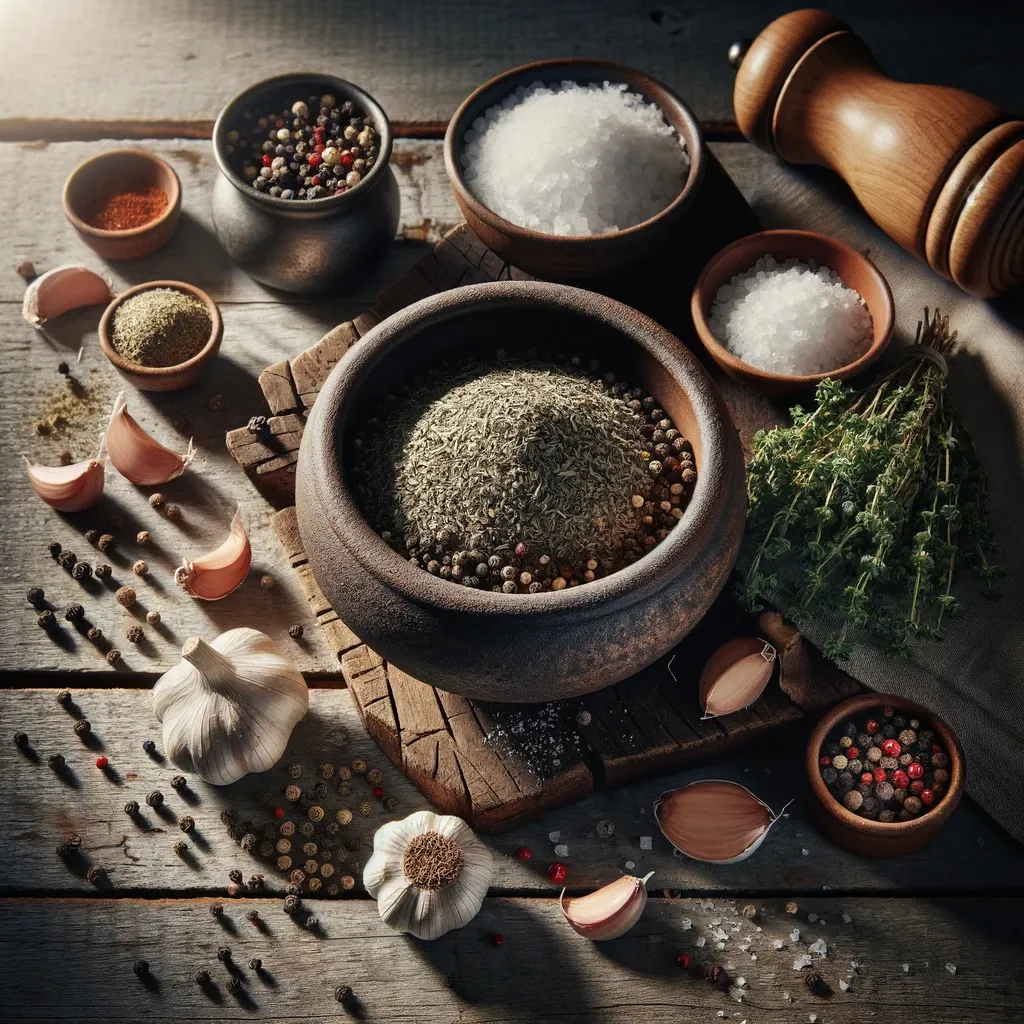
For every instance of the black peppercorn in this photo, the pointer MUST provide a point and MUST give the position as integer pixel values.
(217, 910)
(292, 889)
(352, 844)
(56, 762)
(94, 875)
(292, 904)
(224, 954)
(54, 548)
(45, 619)
(295, 632)
(311, 922)
(390, 803)
(106, 543)
(81, 571)
(256, 964)
(102, 571)
(343, 993)
(95, 635)
(83, 727)
(148, 746)
(714, 974)
(817, 985)
(257, 424)
(131, 808)
(202, 977)
(92, 536)
(36, 596)
(141, 967)
(186, 823)
(66, 560)
(233, 985)
(74, 613)
(21, 740)
(114, 656)
(179, 782)
(155, 799)
(255, 882)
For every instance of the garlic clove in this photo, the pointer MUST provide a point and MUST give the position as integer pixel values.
(714, 820)
(608, 912)
(221, 571)
(735, 675)
(61, 289)
(68, 488)
(139, 457)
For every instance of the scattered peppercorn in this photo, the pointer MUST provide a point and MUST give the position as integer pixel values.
(172, 511)
(64, 698)
(233, 986)
(155, 799)
(133, 634)
(74, 613)
(390, 803)
(107, 542)
(92, 536)
(95, 635)
(557, 872)
(36, 596)
(81, 571)
(217, 910)
(102, 762)
(54, 548)
(142, 538)
(186, 823)
(292, 905)
(497, 939)
(224, 954)
(817, 985)
(131, 808)
(683, 960)
(201, 978)
(140, 567)
(714, 974)
(343, 993)
(153, 618)
(295, 632)
(94, 875)
(56, 762)
(149, 746)
(125, 596)
(66, 560)
(359, 766)
(256, 424)
(83, 727)
(267, 582)
(605, 829)
(141, 968)
(156, 499)
(45, 619)
(113, 656)
(102, 571)
(21, 740)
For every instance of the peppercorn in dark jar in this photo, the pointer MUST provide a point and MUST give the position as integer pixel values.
(306, 200)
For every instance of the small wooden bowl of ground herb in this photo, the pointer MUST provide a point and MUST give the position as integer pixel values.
(886, 775)
(162, 335)
(123, 203)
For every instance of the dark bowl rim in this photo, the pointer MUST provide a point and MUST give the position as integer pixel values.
(158, 372)
(933, 818)
(700, 310)
(305, 207)
(638, 80)
(646, 575)
(83, 227)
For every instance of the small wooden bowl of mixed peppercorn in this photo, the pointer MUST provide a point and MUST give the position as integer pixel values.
(123, 203)
(886, 775)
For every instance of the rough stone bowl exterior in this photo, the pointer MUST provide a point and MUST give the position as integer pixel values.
(511, 647)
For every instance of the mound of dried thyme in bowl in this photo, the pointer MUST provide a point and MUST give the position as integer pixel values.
(160, 327)
(521, 474)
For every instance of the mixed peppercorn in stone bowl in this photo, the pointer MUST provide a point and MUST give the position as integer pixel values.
(555, 632)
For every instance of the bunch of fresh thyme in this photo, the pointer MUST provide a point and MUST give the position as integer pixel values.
(862, 510)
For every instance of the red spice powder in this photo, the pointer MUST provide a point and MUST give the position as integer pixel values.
(122, 211)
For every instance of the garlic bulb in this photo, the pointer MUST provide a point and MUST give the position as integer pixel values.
(428, 873)
(714, 820)
(68, 488)
(221, 571)
(61, 289)
(735, 675)
(136, 455)
(229, 707)
(608, 912)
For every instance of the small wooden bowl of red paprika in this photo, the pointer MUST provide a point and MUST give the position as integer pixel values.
(123, 203)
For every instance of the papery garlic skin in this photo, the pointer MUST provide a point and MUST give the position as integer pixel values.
(229, 707)
(686, 817)
(220, 572)
(68, 488)
(424, 913)
(607, 912)
(139, 457)
(61, 289)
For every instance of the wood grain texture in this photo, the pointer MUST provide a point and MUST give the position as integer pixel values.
(421, 60)
(41, 233)
(38, 810)
(90, 946)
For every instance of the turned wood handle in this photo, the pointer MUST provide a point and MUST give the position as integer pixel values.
(938, 169)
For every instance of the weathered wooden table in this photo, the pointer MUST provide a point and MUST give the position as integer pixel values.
(935, 935)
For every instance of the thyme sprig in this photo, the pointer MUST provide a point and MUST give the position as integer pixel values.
(863, 510)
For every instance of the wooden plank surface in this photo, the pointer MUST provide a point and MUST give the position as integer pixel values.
(943, 961)
(39, 810)
(421, 60)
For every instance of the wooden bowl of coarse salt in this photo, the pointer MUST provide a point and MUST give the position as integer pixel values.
(590, 172)
(780, 327)
(161, 335)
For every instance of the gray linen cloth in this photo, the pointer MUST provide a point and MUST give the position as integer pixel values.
(975, 678)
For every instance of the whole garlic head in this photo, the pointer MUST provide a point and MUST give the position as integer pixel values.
(229, 707)
(428, 873)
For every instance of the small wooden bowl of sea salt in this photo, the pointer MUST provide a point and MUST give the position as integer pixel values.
(782, 310)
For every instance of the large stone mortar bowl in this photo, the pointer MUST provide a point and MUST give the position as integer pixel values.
(520, 647)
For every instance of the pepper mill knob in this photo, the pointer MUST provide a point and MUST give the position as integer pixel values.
(938, 169)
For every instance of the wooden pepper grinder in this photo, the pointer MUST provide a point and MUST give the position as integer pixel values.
(938, 169)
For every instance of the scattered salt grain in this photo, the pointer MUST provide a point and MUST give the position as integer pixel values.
(561, 850)
(951, 968)
(795, 935)
(812, 1017)
(646, 843)
(801, 962)
(630, 865)
(787, 997)
(844, 986)
(700, 942)
(812, 917)
(735, 992)
(571, 159)
(804, 852)
(906, 968)
(792, 318)
(819, 947)
(847, 919)
(554, 837)
(687, 924)
(721, 1013)
(778, 944)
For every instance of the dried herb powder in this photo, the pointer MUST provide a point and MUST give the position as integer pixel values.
(160, 327)
(521, 474)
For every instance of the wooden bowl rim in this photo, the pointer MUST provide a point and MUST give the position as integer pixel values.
(305, 207)
(158, 372)
(700, 306)
(934, 818)
(113, 155)
(632, 77)
(597, 599)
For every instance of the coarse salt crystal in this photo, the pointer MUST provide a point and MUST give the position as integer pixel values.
(791, 318)
(795, 935)
(951, 968)
(818, 947)
(844, 986)
(812, 1017)
(804, 852)
(906, 968)
(554, 837)
(687, 924)
(646, 843)
(561, 850)
(778, 944)
(801, 962)
(847, 919)
(700, 942)
(630, 865)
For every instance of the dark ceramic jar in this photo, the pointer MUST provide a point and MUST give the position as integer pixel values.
(512, 647)
(297, 245)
